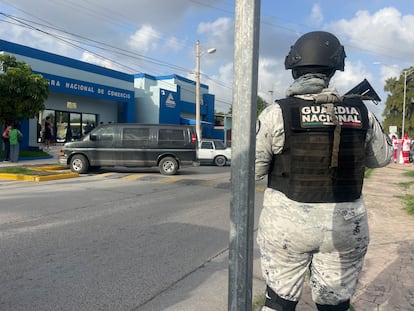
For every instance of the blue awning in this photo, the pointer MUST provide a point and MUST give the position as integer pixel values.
(193, 122)
(187, 121)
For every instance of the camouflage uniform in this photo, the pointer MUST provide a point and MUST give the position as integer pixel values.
(327, 239)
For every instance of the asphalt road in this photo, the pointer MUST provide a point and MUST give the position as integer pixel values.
(110, 241)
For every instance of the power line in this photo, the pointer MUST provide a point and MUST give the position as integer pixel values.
(91, 46)
(79, 42)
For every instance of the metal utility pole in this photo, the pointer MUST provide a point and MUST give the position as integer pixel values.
(197, 101)
(197, 76)
(406, 73)
(246, 51)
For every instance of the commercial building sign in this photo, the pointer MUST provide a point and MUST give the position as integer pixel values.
(77, 87)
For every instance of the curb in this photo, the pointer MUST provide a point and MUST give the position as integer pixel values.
(23, 177)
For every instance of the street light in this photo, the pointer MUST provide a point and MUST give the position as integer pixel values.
(197, 74)
(406, 73)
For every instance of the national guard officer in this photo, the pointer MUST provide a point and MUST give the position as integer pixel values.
(313, 147)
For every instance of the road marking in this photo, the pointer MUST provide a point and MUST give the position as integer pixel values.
(104, 175)
(170, 180)
(134, 176)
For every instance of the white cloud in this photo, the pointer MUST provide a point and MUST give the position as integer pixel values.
(386, 32)
(354, 73)
(316, 17)
(93, 59)
(144, 39)
(389, 71)
(35, 39)
(174, 45)
(222, 91)
(219, 25)
(220, 35)
(273, 79)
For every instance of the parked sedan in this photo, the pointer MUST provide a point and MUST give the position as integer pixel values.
(213, 151)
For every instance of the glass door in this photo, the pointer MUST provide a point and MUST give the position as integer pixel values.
(62, 126)
(68, 126)
(75, 126)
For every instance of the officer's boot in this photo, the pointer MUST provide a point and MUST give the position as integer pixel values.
(275, 302)
(343, 306)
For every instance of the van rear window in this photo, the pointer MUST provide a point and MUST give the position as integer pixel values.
(171, 134)
(171, 137)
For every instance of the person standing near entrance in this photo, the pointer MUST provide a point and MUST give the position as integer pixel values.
(48, 132)
(6, 141)
(88, 127)
(15, 136)
(313, 147)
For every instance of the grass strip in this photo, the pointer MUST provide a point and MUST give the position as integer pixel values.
(18, 170)
(28, 154)
(408, 200)
(409, 203)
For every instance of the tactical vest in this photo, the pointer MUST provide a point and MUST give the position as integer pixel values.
(323, 158)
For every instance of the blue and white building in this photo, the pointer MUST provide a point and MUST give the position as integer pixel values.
(82, 93)
(171, 100)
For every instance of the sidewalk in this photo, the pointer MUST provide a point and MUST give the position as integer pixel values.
(387, 280)
(53, 159)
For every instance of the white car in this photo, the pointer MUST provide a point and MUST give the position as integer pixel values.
(213, 151)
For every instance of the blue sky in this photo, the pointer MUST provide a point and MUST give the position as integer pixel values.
(158, 37)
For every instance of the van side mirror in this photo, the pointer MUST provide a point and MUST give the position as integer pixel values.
(93, 137)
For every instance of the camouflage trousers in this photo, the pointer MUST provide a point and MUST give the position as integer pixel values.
(329, 240)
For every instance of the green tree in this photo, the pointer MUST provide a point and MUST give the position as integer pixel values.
(261, 105)
(394, 104)
(22, 92)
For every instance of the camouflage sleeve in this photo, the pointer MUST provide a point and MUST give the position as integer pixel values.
(379, 150)
(270, 138)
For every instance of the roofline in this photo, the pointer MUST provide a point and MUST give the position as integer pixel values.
(14, 48)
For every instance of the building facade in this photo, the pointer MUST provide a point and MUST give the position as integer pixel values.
(83, 95)
(171, 100)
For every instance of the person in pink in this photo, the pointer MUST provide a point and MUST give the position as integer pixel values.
(6, 141)
(406, 145)
(395, 143)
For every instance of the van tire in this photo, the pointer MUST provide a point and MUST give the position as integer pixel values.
(168, 166)
(220, 160)
(79, 164)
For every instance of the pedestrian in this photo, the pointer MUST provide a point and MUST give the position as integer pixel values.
(395, 145)
(313, 147)
(15, 137)
(6, 141)
(88, 127)
(48, 132)
(406, 146)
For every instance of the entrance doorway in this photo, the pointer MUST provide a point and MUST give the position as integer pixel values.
(68, 126)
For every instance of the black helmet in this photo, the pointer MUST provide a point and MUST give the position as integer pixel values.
(316, 52)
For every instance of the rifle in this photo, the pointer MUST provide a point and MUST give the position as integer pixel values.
(364, 91)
